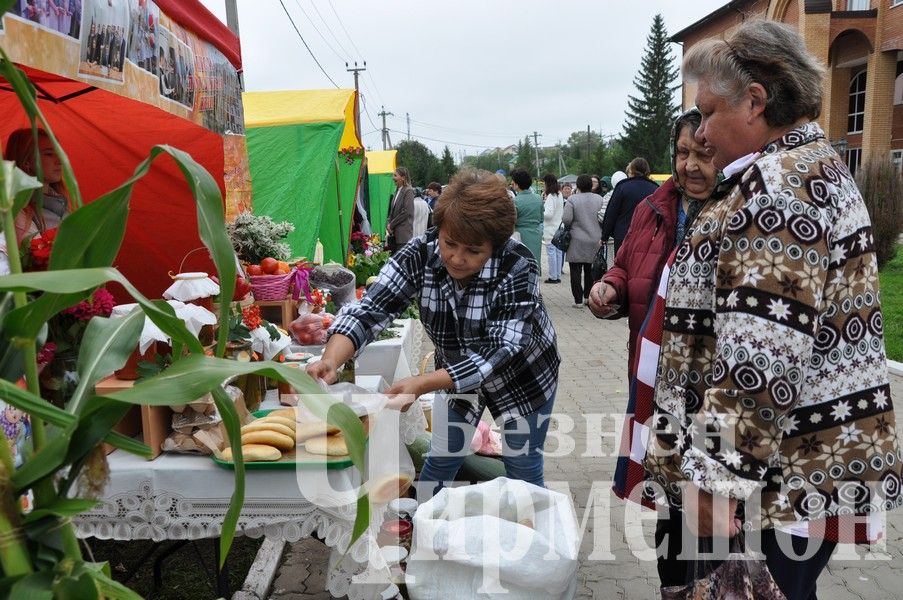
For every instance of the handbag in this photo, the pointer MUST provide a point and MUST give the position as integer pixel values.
(562, 238)
(600, 262)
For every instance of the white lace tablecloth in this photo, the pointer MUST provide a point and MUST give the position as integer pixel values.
(178, 497)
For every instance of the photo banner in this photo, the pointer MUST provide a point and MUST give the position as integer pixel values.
(131, 48)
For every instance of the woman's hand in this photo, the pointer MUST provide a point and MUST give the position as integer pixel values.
(602, 300)
(708, 516)
(404, 392)
(322, 369)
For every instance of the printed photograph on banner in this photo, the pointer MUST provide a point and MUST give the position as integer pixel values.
(166, 62)
(218, 97)
(144, 18)
(61, 16)
(184, 73)
(105, 25)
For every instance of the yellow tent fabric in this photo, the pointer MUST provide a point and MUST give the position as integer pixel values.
(271, 109)
(381, 161)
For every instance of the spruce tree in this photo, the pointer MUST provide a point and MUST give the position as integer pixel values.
(649, 117)
(448, 165)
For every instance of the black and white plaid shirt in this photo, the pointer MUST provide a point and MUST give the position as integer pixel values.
(496, 340)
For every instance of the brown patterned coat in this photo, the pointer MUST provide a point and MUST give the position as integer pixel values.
(772, 372)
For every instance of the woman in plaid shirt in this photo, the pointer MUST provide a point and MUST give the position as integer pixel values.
(479, 302)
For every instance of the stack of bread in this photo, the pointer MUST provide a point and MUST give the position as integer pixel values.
(269, 437)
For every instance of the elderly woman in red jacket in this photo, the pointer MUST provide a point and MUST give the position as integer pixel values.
(658, 226)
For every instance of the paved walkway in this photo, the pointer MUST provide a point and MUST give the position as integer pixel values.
(593, 381)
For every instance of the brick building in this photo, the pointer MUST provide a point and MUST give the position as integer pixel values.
(861, 43)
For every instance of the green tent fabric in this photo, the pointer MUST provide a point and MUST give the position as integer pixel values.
(382, 188)
(294, 185)
(338, 209)
(304, 155)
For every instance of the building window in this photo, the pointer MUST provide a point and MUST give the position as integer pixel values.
(856, 117)
(854, 157)
(859, 4)
(896, 156)
(898, 84)
(896, 2)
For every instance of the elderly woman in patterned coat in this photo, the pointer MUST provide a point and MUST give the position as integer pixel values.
(771, 387)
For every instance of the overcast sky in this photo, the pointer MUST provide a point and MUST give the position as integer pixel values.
(472, 73)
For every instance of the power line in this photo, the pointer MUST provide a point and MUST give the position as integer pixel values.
(342, 48)
(359, 53)
(423, 137)
(292, 21)
(464, 131)
(367, 112)
(322, 37)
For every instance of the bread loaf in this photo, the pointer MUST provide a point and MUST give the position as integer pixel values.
(269, 438)
(305, 431)
(290, 423)
(255, 453)
(268, 426)
(328, 445)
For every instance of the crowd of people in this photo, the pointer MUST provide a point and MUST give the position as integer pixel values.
(749, 281)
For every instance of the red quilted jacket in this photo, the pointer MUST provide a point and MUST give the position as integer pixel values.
(638, 264)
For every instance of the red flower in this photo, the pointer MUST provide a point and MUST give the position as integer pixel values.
(41, 245)
(46, 354)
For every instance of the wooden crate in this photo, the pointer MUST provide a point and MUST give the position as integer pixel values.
(278, 312)
(154, 423)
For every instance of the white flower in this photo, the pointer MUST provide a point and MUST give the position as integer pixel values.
(713, 417)
(849, 433)
(732, 458)
(880, 399)
(781, 501)
(732, 299)
(788, 424)
(862, 404)
(779, 309)
(863, 240)
(841, 410)
(838, 253)
(815, 418)
(753, 276)
(691, 321)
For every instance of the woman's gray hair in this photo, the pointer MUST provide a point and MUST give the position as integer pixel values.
(771, 54)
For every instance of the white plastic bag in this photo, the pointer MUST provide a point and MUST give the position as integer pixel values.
(500, 539)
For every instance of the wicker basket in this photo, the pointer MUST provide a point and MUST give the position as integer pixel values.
(272, 287)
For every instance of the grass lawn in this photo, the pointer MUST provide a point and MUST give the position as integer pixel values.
(892, 306)
(187, 573)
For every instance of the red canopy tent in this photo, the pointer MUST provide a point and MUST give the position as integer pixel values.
(106, 135)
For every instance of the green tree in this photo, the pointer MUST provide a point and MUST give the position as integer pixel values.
(420, 162)
(448, 165)
(525, 158)
(649, 116)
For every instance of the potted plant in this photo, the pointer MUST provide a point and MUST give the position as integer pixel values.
(258, 237)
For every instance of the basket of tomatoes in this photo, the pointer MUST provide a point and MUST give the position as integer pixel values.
(271, 279)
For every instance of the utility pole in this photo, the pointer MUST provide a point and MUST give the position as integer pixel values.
(587, 147)
(357, 112)
(407, 117)
(387, 142)
(536, 137)
(232, 24)
(560, 160)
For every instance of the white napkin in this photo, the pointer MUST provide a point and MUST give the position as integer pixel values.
(191, 286)
(194, 317)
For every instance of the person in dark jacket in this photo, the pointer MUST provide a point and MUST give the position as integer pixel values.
(627, 195)
(659, 224)
(400, 221)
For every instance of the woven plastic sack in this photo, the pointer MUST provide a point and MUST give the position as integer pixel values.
(503, 539)
(339, 281)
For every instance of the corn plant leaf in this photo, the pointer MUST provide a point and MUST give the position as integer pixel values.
(114, 438)
(37, 586)
(46, 461)
(28, 99)
(24, 322)
(108, 587)
(5, 5)
(98, 419)
(35, 406)
(75, 587)
(66, 507)
(106, 346)
(233, 429)
(17, 187)
(12, 364)
(361, 519)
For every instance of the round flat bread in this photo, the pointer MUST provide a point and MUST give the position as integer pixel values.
(290, 423)
(268, 426)
(269, 438)
(255, 453)
(327, 445)
(384, 488)
(288, 413)
(305, 431)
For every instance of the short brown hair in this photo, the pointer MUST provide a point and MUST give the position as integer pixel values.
(639, 167)
(475, 208)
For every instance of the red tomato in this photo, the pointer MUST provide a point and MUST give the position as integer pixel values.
(254, 270)
(269, 265)
(242, 287)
